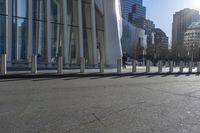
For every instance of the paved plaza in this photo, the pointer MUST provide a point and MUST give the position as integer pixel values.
(98, 104)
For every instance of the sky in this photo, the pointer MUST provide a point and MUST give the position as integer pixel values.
(161, 12)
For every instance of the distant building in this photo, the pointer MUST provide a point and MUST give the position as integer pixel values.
(161, 42)
(181, 21)
(192, 39)
(134, 40)
(145, 24)
(133, 9)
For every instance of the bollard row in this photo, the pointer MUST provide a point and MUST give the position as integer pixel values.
(102, 66)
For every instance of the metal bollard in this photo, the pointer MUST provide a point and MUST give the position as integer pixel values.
(171, 66)
(190, 66)
(160, 66)
(134, 69)
(34, 65)
(181, 67)
(148, 66)
(3, 64)
(82, 67)
(198, 67)
(102, 66)
(60, 64)
(119, 65)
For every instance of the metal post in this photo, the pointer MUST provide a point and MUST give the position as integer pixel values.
(60, 64)
(171, 66)
(148, 66)
(102, 66)
(3, 64)
(190, 66)
(198, 67)
(181, 67)
(134, 69)
(160, 66)
(119, 65)
(82, 67)
(34, 64)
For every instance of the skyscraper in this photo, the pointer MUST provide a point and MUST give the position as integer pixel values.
(133, 9)
(181, 20)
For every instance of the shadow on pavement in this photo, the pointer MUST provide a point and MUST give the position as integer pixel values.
(92, 76)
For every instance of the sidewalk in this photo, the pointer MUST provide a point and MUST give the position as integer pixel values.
(141, 70)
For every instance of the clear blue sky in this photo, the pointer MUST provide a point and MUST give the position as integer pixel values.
(161, 11)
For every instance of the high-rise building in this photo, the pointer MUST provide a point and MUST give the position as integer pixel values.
(77, 30)
(160, 43)
(145, 24)
(133, 9)
(181, 21)
(192, 41)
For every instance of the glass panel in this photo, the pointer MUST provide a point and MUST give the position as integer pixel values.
(74, 45)
(100, 45)
(87, 21)
(39, 40)
(2, 34)
(2, 6)
(88, 47)
(56, 11)
(20, 35)
(72, 7)
(39, 9)
(20, 8)
(99, 20)
(57, 41)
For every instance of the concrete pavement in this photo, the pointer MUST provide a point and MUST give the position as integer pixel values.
(113, 104)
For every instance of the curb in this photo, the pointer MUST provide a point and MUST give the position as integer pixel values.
(55, 75)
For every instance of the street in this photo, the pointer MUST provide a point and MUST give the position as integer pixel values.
(112, 104)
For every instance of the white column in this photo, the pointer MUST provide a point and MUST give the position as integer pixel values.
(49, 30)
(66, 44)
(9, 31)
(30, 31)
(80, 21)
(94, 34)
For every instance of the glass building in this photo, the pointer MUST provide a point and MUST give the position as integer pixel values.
(133, 9)
(73, 29)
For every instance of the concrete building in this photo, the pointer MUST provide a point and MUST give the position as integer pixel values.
(181, 20)
(192, 40)
(133, 9)
(77, 30)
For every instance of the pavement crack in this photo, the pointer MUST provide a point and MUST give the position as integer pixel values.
(176, 94)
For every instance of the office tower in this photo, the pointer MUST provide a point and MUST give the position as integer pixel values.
(192, 41)
(181, 20)
(133, 9)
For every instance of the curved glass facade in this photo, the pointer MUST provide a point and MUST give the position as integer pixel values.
(52, 28)
(3, 16)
